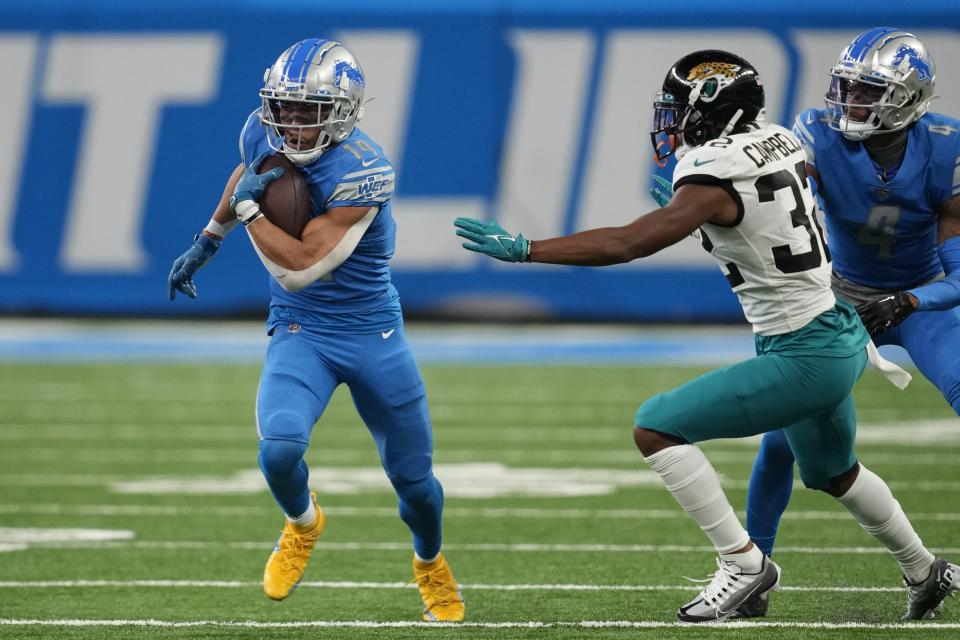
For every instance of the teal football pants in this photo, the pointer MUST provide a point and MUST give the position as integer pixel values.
(809, 396)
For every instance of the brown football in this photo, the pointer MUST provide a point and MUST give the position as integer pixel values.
(286, 200)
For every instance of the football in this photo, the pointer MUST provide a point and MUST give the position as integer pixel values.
(286, 200)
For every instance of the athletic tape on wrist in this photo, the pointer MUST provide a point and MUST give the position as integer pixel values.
(247, 211)
(220, 230)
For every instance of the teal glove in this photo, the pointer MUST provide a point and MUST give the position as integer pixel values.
(661, 190)
(492, 239)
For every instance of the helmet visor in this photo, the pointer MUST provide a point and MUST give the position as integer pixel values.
(665, 126)
(298, 126)
(856, 100)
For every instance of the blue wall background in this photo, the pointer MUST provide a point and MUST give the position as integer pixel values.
(453, 141)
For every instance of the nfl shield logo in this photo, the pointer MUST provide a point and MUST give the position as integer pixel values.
(293, 327)
(882, 193)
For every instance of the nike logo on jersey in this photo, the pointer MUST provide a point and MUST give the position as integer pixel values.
(387, 334)
(367, 163)
(698, 163)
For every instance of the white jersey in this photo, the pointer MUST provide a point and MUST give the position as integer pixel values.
(774, 256)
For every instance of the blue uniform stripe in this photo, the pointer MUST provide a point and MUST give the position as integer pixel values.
(866, 40)
(308, 59)
(298, 62)
(293, 52)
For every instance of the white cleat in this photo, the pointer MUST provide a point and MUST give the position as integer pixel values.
(728, 589)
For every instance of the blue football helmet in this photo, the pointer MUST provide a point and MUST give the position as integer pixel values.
(312, 98)
(883, 81)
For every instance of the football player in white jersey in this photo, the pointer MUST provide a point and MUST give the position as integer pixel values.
(741, 184)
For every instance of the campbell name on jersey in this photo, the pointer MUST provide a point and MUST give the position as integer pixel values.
(358, 296)
(773, 255)
(884, 232)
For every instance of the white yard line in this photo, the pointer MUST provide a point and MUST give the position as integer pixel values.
(349, 584)
(175, 511)
(90, 480)
(494, 547)
(405, 624)
(57, 448)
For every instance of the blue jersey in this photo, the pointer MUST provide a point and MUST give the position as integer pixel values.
(883, 234)
(358, 296)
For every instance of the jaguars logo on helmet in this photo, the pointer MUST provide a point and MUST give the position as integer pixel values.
(706, 95)
(882, 82)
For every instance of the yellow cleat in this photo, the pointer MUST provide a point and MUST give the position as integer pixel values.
(288, 561)
(442, 601)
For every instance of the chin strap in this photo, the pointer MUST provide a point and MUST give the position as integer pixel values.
(733, 123)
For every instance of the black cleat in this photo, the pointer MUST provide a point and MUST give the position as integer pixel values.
(753, 607)
(924, 597)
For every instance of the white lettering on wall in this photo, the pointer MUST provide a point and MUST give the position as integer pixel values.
(541, 142)
(18, 54)
(124, 82)
(389, 61)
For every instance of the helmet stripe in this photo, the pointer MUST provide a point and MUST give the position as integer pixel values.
(864, 41)
(305, 63)
(292, 52)
(299, 61)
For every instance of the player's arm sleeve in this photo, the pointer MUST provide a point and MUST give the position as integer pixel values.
(294, 280)
(944, 294)
(804, 130)
(364, 185)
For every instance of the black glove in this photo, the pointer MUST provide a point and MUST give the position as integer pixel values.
(880, 315)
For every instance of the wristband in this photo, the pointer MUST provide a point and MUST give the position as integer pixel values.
(945, 293)
(247, 211)
(214, 228)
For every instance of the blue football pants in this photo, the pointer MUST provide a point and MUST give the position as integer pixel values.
(932, 338)
(301, 372)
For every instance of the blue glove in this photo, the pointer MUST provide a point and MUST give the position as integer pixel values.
(251, 186)
(181, 275)
(661, 190)
(490, 238)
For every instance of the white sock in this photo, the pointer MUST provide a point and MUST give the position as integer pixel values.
(688, 475)
(869, 501)
(751, 561)
(422, 561)
(306, 518)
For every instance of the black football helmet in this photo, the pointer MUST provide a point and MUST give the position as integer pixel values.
(706, 95)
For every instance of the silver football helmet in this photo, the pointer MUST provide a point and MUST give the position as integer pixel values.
(883, 81)
(312, 98)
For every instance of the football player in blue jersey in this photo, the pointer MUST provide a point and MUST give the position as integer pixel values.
(334, 315)
(887, 172)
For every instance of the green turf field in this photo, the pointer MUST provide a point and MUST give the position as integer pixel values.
(554, 526)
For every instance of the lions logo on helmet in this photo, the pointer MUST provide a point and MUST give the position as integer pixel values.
(706, 95)
(882, 82)
(312, 98)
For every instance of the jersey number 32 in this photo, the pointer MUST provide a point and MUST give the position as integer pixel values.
(785, 260)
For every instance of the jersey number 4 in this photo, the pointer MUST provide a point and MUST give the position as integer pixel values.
(785, 260)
